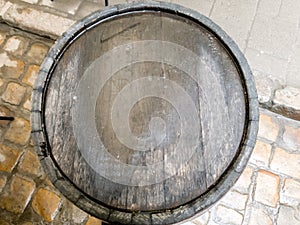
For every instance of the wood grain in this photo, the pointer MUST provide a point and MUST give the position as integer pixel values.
(216, 92)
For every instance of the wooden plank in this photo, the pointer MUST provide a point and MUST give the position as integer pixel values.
(145, 114)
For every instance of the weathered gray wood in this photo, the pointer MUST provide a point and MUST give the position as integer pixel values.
(218, 86)
(146, 113)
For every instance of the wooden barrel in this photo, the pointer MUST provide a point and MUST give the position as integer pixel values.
(144, 113)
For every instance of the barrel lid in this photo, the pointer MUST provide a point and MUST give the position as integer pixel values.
(144, 113)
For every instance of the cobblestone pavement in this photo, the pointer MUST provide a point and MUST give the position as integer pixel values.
(268, 192)
(267, 31)
(26, 195)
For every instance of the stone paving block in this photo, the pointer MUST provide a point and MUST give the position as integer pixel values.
(26, 18)
(268, 128)
(115, 2)
(243, 183)
(31, 142)
(262, 36)
(12, 44)
(8, 158)
(31, 1)
(202, 219)
(14, 93)
(288, 97)
(269, 8)
(234, 200)
(261, 154)
(235, 17)
(188, 223)
(37, 53)
(78, 215)
(3, 180)
(2, 222)
(31, 74)
(4, 6)
(267, 64)
(291, 137)
(27, 223)
(266, 87)
(287, 216)
(293, 71)
(68, 6)
(228, 216)
(17, 195)
(290, 193)
(19, 131)
(16, 45)
(2, 37)
(27, 104)
(13, 71)
(93, 221)
(4, 111)
(212, 223)
(259, 217)
(48, 183)
(202, 6)
(289, 10)
(10, 68)
(6, 61)
(88, 7)
(267, 187)
(46, 203)
(97, 1)
(286, 163)
(30, 164)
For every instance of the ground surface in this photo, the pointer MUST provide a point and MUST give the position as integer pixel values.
(268, 33)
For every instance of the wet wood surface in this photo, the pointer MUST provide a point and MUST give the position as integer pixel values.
(141, 116)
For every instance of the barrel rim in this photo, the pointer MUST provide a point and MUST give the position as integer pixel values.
(168, 216)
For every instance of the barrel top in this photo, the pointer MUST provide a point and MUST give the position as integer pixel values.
(144, 113)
